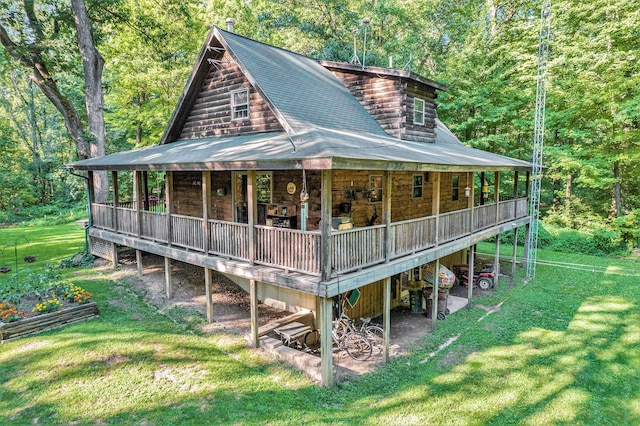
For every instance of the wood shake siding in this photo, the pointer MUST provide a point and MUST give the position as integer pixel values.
(211, 112)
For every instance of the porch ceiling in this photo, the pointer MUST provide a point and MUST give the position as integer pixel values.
(312, 149)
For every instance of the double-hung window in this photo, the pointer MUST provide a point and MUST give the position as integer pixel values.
(418, 111)
(240, 104)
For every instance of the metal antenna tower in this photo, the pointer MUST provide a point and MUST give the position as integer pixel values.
(538, 138)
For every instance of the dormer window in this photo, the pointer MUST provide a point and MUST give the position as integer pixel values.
(418, 111)
(240, 104)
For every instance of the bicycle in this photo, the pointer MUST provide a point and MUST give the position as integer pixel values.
(353, 342)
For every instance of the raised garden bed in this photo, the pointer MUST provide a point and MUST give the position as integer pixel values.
(36, 324)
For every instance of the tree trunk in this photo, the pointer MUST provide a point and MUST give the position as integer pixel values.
(617, 192)
(567, 193)
(92, 63)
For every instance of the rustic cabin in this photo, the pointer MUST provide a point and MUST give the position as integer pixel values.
(303, 180)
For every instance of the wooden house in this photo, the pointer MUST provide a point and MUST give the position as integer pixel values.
(302, 180)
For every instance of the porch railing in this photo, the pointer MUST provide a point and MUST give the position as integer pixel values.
(102, 216)
(484, 216)
(357, 248)
(127, 221)
(154, 226)
(187, 232)
(412, 235)
(229, 239)
(454, 225)
(288, 248)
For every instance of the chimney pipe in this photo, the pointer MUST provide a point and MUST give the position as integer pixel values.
(230, 22)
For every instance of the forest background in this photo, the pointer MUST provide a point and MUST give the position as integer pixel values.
(485, 51)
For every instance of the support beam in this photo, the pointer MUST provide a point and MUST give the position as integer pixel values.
(253, 295)
(513, 255)
(482, 195)
(515, 193)
(472, 255)
(137, 200)
(252, 213)
(496, 194)
(325, 229)
(139, 262)
(114, 255)
(435, 204)
(145, 189)
(206, 209)
(168, 282)
(208, 295)
(527, 236)
(326, 343)
(116, 199)
(386, 318)
(168, 194)
(471, 183)
(434, 295)
(497, 262)
(386, 213)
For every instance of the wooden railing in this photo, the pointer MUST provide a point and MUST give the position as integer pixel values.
(102, 216)
(154, 226)
(127, 221)
(187, 232)
(229, 239)
(290, 249)
(412, 235)
(484, 216)
(522, 207)
(357, 248)
(454, 225)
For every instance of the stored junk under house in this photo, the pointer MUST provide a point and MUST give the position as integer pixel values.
(303, 180)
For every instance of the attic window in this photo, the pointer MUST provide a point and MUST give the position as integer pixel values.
(239, 104)
(418, 111)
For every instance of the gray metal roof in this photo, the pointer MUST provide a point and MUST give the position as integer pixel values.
(318, 148)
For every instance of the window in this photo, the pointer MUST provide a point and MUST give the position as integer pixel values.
(418, 111)
(239, 104)
(375, 188)
(264, 187)
(417, 186)
(455, 188)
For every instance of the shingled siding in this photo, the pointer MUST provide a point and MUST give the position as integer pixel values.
(211, 113)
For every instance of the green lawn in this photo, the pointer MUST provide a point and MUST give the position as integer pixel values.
(563, 349)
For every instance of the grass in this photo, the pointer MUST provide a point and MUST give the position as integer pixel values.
(563, 349)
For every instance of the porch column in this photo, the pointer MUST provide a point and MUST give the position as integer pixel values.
(435, 204)
(252, 213)
(497, 262)
(167, 278)
(145, 189)
(386, 202)
(137, 191)
(482, 179)
(116, 199)
(207, 290)
(326, 349)
(253, 295)
(325, 217)
(515, 194)
(513, 255)
(386, 318)
(92, 195)
(471, 200)
(434, 295)
(472, 255)
(496, 195)
(206, 210)
(168, 194)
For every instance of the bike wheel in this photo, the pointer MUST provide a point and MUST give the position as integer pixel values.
(375, 334)
(357, 346)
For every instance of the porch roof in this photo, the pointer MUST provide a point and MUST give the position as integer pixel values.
(311, 149)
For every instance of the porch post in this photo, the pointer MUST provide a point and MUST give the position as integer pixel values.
(386, 318)
(497, 262)
(253, 294)
(471, 200)
(145, 188)
(326, 349)
(482, 179)
(435, 204)
(513, 255)
(386, 201)
(472, 254)
(325, 216)
(168, 193)
(515, 194)
(137, 191)
(434, 295)
(206, 210)
(92, 195)
(496, 195)
(252, 213)
(167, 278)
(116, 199)
(527, 236)
(209, 300)
(139, 262)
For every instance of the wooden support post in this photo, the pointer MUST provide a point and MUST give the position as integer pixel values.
(167, 278)
(145, 189)
(326, 342)
(253, 294)
(434, 295)
(386, 212)
(114, 254)
(435, 204)
(252, 213)
(206, 210)
(116, 196)
(497, 262)
(207, 290)
(513, 255)
(527, 236)
(137, 200)
(482, 195)
(515, 194)
(139, 262)
(471, 200)
(168, 193)
(496, 195)
(325, 217)
(92, 195)
(386, 318)
(472, 254)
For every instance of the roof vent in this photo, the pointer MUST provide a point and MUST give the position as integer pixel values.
(230, 22)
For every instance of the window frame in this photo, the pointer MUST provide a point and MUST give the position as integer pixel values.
(234, 106)
(419, 186)
(420, 111)
(374, 189)
(455, 187)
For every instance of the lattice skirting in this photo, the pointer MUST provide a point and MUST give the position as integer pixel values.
(101, 248)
